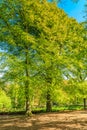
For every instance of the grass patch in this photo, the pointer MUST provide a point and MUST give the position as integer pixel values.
(69, 107)
(42, 109)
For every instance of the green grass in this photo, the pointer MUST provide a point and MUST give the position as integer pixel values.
(60, 108)
(70, 107)
(43, 109)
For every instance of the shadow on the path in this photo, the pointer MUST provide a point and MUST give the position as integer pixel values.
(23, 123)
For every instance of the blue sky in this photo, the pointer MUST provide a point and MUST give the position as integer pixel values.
(75, 10)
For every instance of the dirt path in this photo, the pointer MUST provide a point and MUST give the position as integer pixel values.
(76, 120)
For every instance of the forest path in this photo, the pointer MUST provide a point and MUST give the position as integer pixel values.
(75, 120)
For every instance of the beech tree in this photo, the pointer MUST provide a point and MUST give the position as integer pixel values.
(38, 38)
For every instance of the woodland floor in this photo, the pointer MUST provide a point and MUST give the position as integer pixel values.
(75, 120)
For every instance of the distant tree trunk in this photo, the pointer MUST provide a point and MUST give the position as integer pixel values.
(48, 102)
(28, 104)
(84, 101)
(27, 95)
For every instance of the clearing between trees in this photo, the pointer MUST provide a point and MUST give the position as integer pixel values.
(69, 120)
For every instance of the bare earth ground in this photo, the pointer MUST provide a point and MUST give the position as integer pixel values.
(75, 120)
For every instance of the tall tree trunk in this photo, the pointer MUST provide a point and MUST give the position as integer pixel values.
(27, 95)
(28, 104)
(84, 101)
(48, 102)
